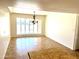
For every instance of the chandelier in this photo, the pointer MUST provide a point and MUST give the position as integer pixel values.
(34, 19)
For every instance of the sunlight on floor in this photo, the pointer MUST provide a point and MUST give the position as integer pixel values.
(27, 44)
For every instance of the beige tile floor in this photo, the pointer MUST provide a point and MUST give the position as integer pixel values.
(19, 47)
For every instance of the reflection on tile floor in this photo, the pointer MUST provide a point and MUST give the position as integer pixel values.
(19, 47)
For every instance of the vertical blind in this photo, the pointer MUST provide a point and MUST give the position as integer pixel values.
(25, 26)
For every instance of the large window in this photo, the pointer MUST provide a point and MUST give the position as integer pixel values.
(25, 26)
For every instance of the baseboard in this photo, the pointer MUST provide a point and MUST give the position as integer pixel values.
(30, 35)
(59, 43)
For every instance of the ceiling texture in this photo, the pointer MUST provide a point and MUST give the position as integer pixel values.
(69, 6)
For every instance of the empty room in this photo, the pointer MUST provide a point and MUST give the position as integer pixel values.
(39, 29)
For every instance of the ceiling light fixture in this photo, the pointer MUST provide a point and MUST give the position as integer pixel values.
(34, 19)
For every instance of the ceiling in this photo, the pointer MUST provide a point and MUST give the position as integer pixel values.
(40, 5)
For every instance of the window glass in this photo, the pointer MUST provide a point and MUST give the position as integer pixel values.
(25, 26)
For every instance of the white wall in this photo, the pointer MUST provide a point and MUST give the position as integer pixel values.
(4, 25)
(61, 28)
(4, 32)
